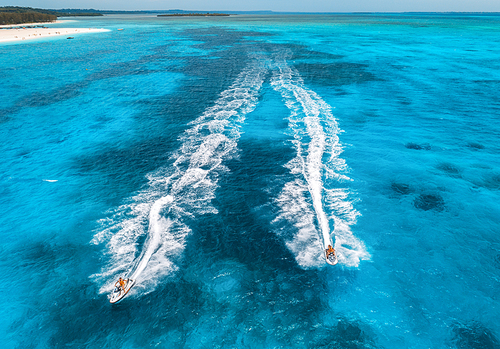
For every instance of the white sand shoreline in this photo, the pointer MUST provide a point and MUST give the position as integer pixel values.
(29, 24)
(20, 33)
(9, 35)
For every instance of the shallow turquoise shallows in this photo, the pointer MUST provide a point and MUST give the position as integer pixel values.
(214, 159)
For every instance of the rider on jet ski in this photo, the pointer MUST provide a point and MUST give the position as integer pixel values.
(330, 250)
(120, 284)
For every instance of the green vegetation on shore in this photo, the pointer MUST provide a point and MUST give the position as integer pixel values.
(27, 17)
(19, 15)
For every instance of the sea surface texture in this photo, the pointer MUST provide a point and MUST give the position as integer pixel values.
(213, 159)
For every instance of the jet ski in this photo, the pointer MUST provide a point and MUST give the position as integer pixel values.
(120, 292)
(331, 258)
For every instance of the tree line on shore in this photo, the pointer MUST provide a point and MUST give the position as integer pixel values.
(18, 15)
(27, 17)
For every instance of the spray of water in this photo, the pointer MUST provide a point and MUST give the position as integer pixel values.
(315, 132)
(177, 193)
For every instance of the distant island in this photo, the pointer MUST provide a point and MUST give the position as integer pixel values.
(20, 15)
(193, 14)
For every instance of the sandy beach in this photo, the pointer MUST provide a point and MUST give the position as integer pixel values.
(30, 31)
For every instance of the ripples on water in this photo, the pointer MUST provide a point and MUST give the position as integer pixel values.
(213, 159)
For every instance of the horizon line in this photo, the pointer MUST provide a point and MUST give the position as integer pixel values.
(298, 12)
(264, 11)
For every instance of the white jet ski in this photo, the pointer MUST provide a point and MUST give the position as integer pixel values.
(331, 258)
(120, 292)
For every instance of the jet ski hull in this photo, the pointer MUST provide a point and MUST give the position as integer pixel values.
(331, 258)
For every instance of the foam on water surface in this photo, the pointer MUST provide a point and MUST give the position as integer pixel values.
(309, 119)
(189, 184)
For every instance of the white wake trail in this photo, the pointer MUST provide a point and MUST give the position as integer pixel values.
(179, 192)
(157, 225)
(317, 160)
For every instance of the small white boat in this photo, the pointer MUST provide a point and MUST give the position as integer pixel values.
(120, 292)
(331, 258)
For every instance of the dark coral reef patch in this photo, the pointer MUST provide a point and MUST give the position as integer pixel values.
(474, 335)
(428, 202)
(415, 146)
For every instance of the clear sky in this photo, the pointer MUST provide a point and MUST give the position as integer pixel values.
(274, 5)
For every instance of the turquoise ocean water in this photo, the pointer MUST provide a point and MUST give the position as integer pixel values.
(213, 158)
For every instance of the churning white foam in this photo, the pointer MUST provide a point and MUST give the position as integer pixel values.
(177, 193)
(318, 170)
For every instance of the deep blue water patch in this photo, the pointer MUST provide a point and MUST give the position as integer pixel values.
(428, 202)
(492, 181)
(401, 188)
(335, 74)
(304, 53)
(497, 260)
(124, 169)
(475, 146)
(416, 146)
(250, 197)
(346, 334)
(450, 169)
(474, 335)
